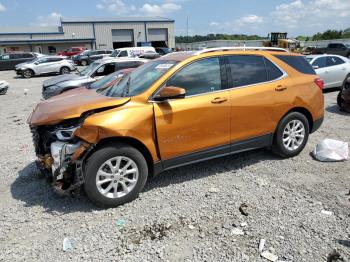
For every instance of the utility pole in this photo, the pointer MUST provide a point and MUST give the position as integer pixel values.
(187, 26)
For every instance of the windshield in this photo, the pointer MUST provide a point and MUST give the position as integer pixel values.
(88, 70)
(139, 80)
(86, 52)
(105, 81)
(115, 53)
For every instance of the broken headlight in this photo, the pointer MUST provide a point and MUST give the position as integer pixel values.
(66, 134)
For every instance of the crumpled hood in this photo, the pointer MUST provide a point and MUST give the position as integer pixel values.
(71, 104)
(64, 78)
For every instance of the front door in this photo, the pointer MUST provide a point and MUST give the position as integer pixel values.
(197, 126)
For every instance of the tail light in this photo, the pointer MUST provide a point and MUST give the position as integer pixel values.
(319, 82)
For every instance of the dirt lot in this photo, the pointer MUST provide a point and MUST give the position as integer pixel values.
(187, 214)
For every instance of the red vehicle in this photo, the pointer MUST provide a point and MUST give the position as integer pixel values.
(72, 51)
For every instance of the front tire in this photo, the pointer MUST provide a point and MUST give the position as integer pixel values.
(115, 175)
(84, 63)
(64, 70)
(27, 73)
(291, 135)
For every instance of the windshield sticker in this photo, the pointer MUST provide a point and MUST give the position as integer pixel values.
(164, 66)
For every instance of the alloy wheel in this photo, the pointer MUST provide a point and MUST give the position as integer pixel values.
(64, 71)
(293, 135)
(117, 177)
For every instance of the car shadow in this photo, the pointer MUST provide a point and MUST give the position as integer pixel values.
(336, 110)
(33, 191)
(212, 167)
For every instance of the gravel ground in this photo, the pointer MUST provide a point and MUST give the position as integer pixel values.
(186, 214)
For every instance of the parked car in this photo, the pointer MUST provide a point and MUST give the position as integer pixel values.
(72, 51)
(132, 51)
(110, 79)
(88, 56)
(343, 99)
(45, 65)
(333, 69)
(335, 49)
(179, 109)
(4, 86)
(163, 50)
(150, 55)
(93, 72)
(8, 61)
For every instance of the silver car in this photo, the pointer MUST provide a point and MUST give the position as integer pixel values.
(333, 69)
(93, 72)
(45, 65)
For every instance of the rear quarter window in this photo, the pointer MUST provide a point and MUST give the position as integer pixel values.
(299, 63)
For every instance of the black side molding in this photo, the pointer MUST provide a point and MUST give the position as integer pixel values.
(214, 152)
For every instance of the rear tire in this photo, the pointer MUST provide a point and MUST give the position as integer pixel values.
(340, 100)
(291, 135)
(27, 73)
(123, 183)
(64, 70)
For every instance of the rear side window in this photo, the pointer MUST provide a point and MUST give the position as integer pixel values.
(333, 61)
(273, 72)
(246, 70)
(299, 63)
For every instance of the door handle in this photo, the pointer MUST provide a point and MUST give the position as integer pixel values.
(280, 88)
(218, 100)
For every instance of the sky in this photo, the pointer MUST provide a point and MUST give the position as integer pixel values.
(297, 17)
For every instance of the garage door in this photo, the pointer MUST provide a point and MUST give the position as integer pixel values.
(122, 35)
(157, 34)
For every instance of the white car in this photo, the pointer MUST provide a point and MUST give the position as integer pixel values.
(45, 65)
(333, 69)
(132, 51)
(3, 87)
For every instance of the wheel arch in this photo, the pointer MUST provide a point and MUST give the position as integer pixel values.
(303, 111)
(129, 141)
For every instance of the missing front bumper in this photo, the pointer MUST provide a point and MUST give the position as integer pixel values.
(64, 166)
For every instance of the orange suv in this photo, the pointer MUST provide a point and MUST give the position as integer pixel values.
(179, 109)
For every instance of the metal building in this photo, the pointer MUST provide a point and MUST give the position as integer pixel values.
(96, 33)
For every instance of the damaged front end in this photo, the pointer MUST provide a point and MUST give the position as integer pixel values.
(61, 154)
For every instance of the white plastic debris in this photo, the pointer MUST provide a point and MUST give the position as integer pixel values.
(269, 256)
(67, 245)
(244, 224)
(237, 231)
(191, 227)
(330, 150)
(262, 244)
(326, 212)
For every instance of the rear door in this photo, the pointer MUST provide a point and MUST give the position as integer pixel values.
(254, 83)
(197, 126)
(336, 71)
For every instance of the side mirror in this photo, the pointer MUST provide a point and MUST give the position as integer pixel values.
(170, 92)
(315, 67)
(36, 63)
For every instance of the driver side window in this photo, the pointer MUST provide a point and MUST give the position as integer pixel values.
(199, 77)
(320, 62)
